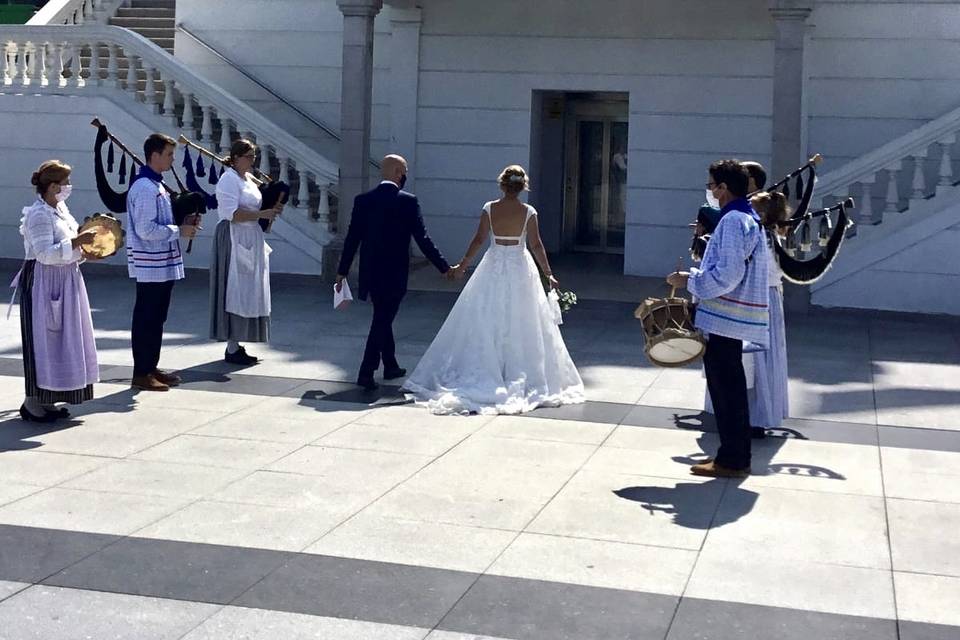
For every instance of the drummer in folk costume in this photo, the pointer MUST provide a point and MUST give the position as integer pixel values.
(240, 263)
(59, 353)
(767, 370)
(731, 288)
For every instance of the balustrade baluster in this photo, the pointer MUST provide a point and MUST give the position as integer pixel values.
(131, 74)
(893, 190)
(284, 168)
(919, 179)
(93, 71)
(265, 159)
(866, 204)
(946, 161)
(76, 67)
(22, 70)
(188, 119)
(49, 75)
(113, 73)
(225, 139)
(303, 191)
(323, 208)
(4, 64)
(206, 127)
(34, 69)
(169, 105)
(150, 89)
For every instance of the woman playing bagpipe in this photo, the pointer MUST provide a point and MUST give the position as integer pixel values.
(59, 352)
(240, 263)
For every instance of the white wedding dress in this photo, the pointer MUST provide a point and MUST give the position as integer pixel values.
(500, 349)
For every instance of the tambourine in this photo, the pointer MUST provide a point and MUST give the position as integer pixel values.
(109, 238)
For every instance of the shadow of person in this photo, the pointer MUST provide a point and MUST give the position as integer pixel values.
(16, 435)
(345, 396)
(693, 505)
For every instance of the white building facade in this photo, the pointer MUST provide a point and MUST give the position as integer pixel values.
(616, 107)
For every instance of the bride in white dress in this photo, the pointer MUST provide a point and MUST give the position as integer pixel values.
(500, 349)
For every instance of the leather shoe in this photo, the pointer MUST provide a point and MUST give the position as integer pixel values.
(58, 413)
(26, 416)
(169, 379)
(148, 383)
(713, 470)
(758, 433)
(240, 357)
(368, 383)
(393, 374)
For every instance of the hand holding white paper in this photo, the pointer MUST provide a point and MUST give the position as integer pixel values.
(342, 298)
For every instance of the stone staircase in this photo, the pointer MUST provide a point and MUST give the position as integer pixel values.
(153, 19)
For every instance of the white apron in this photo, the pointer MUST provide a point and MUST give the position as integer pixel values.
(248, 277)
(248, 280)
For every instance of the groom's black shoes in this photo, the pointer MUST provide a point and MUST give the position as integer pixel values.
(393, 374)
(368, 383)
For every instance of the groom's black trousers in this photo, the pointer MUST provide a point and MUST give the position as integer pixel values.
(380, 344)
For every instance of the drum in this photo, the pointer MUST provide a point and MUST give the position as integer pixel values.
(670, 338)
(109, 238)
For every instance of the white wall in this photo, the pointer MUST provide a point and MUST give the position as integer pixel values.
(698, 81)
(879, 70)
(292, 46)
(698, 74)
(38, 128)
(924, 276)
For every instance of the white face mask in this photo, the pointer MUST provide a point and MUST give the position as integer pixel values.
(712, 199)
(65, 191)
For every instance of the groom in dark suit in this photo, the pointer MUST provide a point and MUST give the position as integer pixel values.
(381, 225)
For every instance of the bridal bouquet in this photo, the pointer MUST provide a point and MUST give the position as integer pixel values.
(566, 299)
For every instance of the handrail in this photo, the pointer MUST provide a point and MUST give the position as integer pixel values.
(249, 76)
(58, 12)
(187, 81)
(890, 154)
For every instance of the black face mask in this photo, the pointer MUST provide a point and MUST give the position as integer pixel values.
(403, 181)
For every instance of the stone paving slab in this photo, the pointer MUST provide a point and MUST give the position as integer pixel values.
(307, 506)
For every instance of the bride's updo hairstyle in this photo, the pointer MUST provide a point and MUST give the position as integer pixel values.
(513, 180)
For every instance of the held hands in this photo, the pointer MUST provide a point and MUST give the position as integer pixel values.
(339, 282)
(455, 272)
(678, 279)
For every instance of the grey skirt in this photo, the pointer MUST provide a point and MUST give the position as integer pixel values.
(223, 324)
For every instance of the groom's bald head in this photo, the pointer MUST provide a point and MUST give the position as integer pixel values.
(393, 168)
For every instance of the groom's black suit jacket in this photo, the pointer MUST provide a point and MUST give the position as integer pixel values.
(381, 225)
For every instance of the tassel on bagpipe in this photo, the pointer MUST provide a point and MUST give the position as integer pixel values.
(830, 238)
(272, 191)
(184, 202)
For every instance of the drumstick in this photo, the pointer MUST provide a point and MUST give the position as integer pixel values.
(673, 289)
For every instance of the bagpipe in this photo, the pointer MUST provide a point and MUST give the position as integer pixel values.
(796, 230)
(272, 191)
(187, 205)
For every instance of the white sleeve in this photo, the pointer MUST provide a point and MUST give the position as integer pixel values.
(228, 196)
(38, 229)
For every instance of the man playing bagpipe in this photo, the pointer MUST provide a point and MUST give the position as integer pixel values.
(154, 260)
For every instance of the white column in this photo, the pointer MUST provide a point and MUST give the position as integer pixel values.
(404, 85)
(789, 78)
(356, 112)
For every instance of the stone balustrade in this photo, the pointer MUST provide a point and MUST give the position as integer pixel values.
(73, 60)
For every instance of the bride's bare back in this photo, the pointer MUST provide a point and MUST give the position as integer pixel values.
(507, 219)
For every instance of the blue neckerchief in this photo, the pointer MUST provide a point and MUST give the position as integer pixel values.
(147, 172)
(740, 204)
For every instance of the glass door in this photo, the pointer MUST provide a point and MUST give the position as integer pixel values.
(597, 183)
